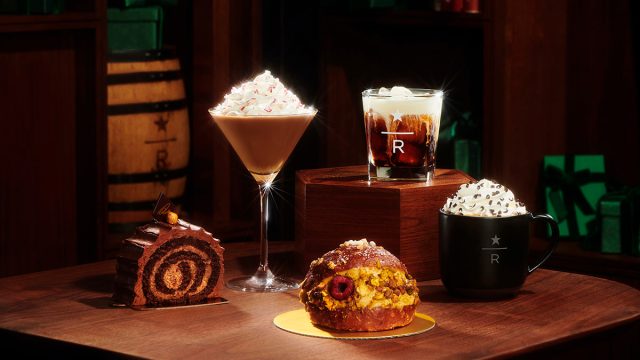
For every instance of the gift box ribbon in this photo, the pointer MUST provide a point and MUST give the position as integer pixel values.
(567, 182)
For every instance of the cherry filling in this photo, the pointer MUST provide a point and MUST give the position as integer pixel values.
(341, 287)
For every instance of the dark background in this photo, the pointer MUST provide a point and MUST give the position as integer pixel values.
(538, 76)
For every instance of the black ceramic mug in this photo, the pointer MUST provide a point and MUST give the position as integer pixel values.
(487, 256)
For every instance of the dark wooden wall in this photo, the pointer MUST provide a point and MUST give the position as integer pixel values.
(527, 94)
(563, 83)
(547, 76)
(52, 96)
(39, 177)
(227, 45)
(602, 84)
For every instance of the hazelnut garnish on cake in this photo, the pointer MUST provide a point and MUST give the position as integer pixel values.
(168, 262)
(359, 287)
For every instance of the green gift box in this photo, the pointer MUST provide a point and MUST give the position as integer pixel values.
(611, 210)
(164, 2)
(618, 222)
(135, 28)
(138, 3)
(573, 186)
(467, 156)
(459, 146)
(126, 3)
(363, 4)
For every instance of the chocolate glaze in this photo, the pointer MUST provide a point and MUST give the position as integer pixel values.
(137, 253)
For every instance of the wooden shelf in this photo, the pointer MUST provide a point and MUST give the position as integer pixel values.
(54, 18)
(569, 256)
(412, 17)
(52, 26)
(77, 14)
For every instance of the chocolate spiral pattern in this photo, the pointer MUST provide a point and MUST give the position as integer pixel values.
(181, 271)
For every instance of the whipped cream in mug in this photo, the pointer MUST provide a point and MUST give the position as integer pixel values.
(484, 198)
(264, 95)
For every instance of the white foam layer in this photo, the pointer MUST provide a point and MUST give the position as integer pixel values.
(395, 91)
(400, 101)
(405, 105)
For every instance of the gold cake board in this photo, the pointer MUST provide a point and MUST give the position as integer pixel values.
(298, 322)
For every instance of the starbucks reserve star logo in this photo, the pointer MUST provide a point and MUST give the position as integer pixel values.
(494, 249)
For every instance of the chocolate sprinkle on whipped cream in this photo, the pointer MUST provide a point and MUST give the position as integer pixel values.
(484, 198)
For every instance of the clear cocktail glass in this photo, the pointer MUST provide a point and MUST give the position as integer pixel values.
(263, 144)
(402, 133)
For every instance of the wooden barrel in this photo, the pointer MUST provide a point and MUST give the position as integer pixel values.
(148, 135)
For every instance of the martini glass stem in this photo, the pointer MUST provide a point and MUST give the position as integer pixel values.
(264, 219)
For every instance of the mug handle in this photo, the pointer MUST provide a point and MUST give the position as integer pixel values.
(555, 237)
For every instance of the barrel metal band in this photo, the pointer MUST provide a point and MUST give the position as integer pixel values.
(158, 176)
(139, 205)
(146, 107)
(143, 77)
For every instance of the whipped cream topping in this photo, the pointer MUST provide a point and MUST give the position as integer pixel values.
(264, 95)
(395, 91)
(484, 198)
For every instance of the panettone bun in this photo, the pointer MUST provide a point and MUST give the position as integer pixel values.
(359, 287)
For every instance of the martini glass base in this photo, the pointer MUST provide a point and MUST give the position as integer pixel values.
(262, 281)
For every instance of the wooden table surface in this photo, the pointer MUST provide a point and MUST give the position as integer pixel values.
(73, 305)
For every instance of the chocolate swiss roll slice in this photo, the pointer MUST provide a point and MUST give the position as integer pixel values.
(164, 264)
(168, 265)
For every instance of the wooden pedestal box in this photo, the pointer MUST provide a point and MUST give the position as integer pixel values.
(338, 204)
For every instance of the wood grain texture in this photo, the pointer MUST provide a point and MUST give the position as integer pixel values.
(554, 309)
(338, 204)
(226, 51)
(529, 93)
(91, 138)
(602, 93)
(52, 70)
(569, 256)
(39, 131)
(561, 82)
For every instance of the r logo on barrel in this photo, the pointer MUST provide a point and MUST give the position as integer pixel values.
(148, 135)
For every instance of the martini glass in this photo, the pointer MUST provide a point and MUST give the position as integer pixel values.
(263, 143)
